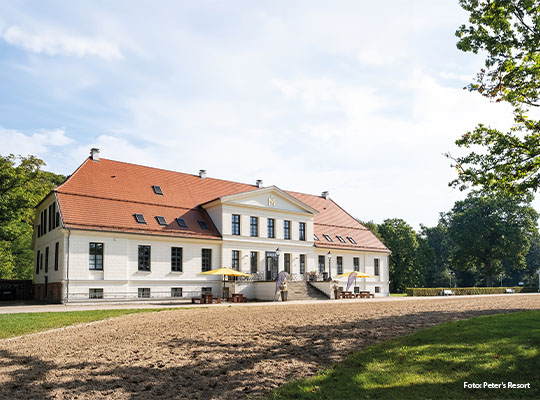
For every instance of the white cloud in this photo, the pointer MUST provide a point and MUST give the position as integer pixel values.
(53, 42)
(39, 143)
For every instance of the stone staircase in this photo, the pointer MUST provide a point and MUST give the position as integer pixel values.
(302, 290)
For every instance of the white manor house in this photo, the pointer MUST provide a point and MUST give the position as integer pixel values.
(118, 231)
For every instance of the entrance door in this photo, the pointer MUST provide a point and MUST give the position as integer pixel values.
(46, 286)
(271, 266)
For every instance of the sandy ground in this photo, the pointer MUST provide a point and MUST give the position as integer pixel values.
(216, 353)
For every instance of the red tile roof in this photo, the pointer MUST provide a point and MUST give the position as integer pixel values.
(104, 195)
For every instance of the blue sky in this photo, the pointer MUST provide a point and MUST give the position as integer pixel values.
(353, 97)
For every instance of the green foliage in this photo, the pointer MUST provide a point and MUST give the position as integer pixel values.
(508, 33)
(467, 291)
(402, 240)
(24, 323)
(435, 363)
(437, 249)
(22, 185)
(487, 230)
(372, 226)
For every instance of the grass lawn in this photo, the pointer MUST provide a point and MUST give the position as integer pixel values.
(23, 323)
(434, 363)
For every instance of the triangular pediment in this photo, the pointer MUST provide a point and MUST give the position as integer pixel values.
(271, 198)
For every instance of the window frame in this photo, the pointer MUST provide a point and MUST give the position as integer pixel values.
(235, 224)
(340, 238)
(38, 257)
(95, 268)
(376, 267)
(339, 264)
(302, 231)
(328, 238)
(254, 262)
(356, 264)
(321, 266)
(204, 226)
(235, 260)
(47, 259)
(141, 265)
(161, 220)
(350, 238)
(271, 228)
(254, 227)
(302, 261)
(177, 290)
(177, 260)
(139, 218)
(286, 229)
(56, 255)
(144, 293)
(95, 292)
(206, 258)
(181, 224)
(287, 262)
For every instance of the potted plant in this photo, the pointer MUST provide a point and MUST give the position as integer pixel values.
(283, 291)
(312, 275)
(336, 290)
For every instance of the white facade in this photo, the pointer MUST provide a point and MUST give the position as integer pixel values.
(121, 278)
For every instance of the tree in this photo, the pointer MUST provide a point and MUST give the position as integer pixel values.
(22, 185)
(508, 32)
(487, 230)
(372, 226)
(437, 265)
(402, 241)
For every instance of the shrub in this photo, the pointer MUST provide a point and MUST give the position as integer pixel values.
(467, 291)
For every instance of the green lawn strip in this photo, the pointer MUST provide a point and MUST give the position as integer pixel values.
(434, 363)
(24, 323)
(398, 294)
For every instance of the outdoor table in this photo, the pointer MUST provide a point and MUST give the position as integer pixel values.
(237, 297)
(346, 295)
(206, 299)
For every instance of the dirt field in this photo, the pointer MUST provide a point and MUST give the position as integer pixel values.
(216, 353)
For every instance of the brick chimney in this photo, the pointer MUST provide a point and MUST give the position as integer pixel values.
(259, 183)
(325, 195)
(202, 173)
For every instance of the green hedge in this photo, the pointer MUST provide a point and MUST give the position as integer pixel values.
(468, 291)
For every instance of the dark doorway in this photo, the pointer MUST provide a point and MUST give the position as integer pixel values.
(271, 265)
(46, 287)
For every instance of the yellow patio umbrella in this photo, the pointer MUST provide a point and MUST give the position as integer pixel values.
(224, 272)
(358, 275)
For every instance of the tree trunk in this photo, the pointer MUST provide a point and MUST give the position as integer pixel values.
(489, 274)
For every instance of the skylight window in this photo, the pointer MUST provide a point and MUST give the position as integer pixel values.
(315, 237)
(351, 240)
(140, 218)
(181, 222)
(340, 239)
(157, 190)
(203, 224)
(328, 238)
(161, 220)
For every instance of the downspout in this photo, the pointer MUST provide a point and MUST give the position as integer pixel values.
(67, 266)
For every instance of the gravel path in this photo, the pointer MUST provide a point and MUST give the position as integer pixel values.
(216, 353)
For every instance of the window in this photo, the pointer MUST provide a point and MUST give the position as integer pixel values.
(144, 258)
(328, 238)
(356, 263)
(46, 259)
(287, 262)
(206, 260)
(206, 290)
(181, 222)
(286, 229)
(351, 240)
(302, 263)
(37, 261)
(56, 248)
(95, 293)
(41, 261)
(376, 267)
(235, 224)
(96, 256)
(254, 260)
(302, 231)
(315, 237)
(44, 221)
(144, 293)
(39, 230)
(254, 226)
(377, 289)
(235, 260)
(339, 261)
(203, 224)
(57, 219)
(340, 239)
(161, 220)
(157, 190)
(271, 222)
(140, 218)
(176, 259)
(321, 264)
(51, 216)
(176, 292)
